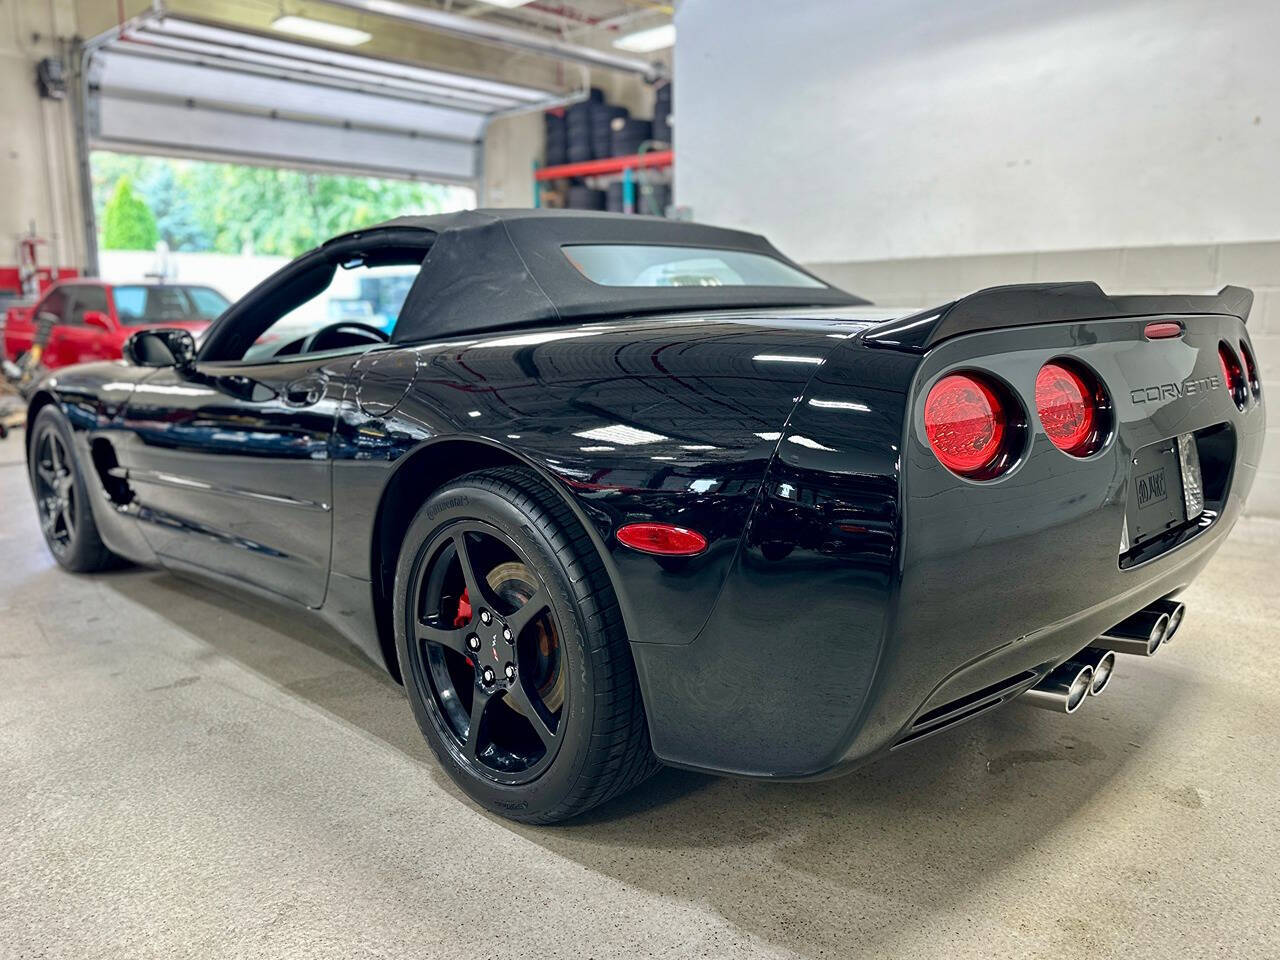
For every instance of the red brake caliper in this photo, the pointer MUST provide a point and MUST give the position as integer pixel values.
(464, 615)
(464, 611)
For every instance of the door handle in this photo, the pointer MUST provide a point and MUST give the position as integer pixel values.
(304, 392)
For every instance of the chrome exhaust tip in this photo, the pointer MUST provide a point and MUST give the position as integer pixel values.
(1103, 663)
(1175, 611)
(1140, 635)
(1064, 689)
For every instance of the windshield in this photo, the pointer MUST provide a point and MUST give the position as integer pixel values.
(645, 265)
(142, 306)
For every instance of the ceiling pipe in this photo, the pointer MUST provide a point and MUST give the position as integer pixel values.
(510, 37)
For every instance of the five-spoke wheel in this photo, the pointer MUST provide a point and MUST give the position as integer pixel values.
(513, 652)
(54, 488)
(490, 650)
(62, 497)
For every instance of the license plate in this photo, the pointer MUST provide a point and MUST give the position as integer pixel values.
(1156, 501)
(1152, 488)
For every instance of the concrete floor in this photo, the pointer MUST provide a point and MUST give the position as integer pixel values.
(184, 772)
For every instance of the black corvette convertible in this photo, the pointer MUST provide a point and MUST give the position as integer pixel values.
(607, 492)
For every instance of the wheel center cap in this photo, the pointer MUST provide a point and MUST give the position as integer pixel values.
(492, 630)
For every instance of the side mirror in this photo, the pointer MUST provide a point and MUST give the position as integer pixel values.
(161, 348)
(96, 318)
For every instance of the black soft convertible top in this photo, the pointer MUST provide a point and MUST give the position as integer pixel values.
(495, 269)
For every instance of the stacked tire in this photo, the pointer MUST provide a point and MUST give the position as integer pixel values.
(557, 144)
(602, 117)
(662, 117)
(578, 132)
(582, 197)
(628, 134)
(652, 199)
(614, 198)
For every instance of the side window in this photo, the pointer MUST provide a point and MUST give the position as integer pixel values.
(53, 306)
(208, 303)
(131, 304)
(84, 299)
(368, 296)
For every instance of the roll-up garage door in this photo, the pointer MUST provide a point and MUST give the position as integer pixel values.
(182, 87)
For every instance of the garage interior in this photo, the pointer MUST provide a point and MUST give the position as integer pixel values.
(192, 772)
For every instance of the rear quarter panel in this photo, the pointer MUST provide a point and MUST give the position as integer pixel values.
(673, 420)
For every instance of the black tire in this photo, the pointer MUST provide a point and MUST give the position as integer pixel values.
(600, 745)
(62, 497)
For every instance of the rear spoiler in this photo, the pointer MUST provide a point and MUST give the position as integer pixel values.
(1027, 304)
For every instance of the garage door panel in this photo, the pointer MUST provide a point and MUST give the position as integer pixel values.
(169, 85)
(140, 77)
(157, 127)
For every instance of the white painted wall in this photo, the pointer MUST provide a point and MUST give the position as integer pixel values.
(38, 175)
(908, 128)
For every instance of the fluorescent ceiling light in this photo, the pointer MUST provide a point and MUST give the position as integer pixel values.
(620, 434)
(647, 41)
(319, 30)
(785, 358)
(809, 442)
(839, 405)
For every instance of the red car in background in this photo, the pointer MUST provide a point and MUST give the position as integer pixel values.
(91, 320)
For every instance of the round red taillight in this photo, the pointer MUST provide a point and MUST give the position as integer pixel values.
(1250, 368)
(1233, 375)
(662, 539)
(967, 424)
(1069, 403)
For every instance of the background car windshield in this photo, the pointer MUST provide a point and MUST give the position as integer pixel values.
(140, 306)
(644, 265)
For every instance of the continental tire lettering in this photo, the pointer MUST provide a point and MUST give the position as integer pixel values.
(435, 509)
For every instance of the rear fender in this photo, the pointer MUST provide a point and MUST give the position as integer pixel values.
(776, 682)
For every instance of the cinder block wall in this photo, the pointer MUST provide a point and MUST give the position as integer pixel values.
(927, 281)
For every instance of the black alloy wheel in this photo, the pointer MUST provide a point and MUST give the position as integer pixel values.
(513, 651)
(55, 490)
(490, 652)
(62, 496)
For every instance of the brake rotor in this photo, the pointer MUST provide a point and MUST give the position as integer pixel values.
(515, 583)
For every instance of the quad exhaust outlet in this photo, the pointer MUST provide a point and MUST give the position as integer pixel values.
(1140, 635)
(1174, 610)
(1064, 689)
(1087, 674)
(1103, 663)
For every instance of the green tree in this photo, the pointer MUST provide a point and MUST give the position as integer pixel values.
(228, 208)
(127, 223)
(170, 202)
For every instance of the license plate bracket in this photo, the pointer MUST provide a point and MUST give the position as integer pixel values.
(1156, 501)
